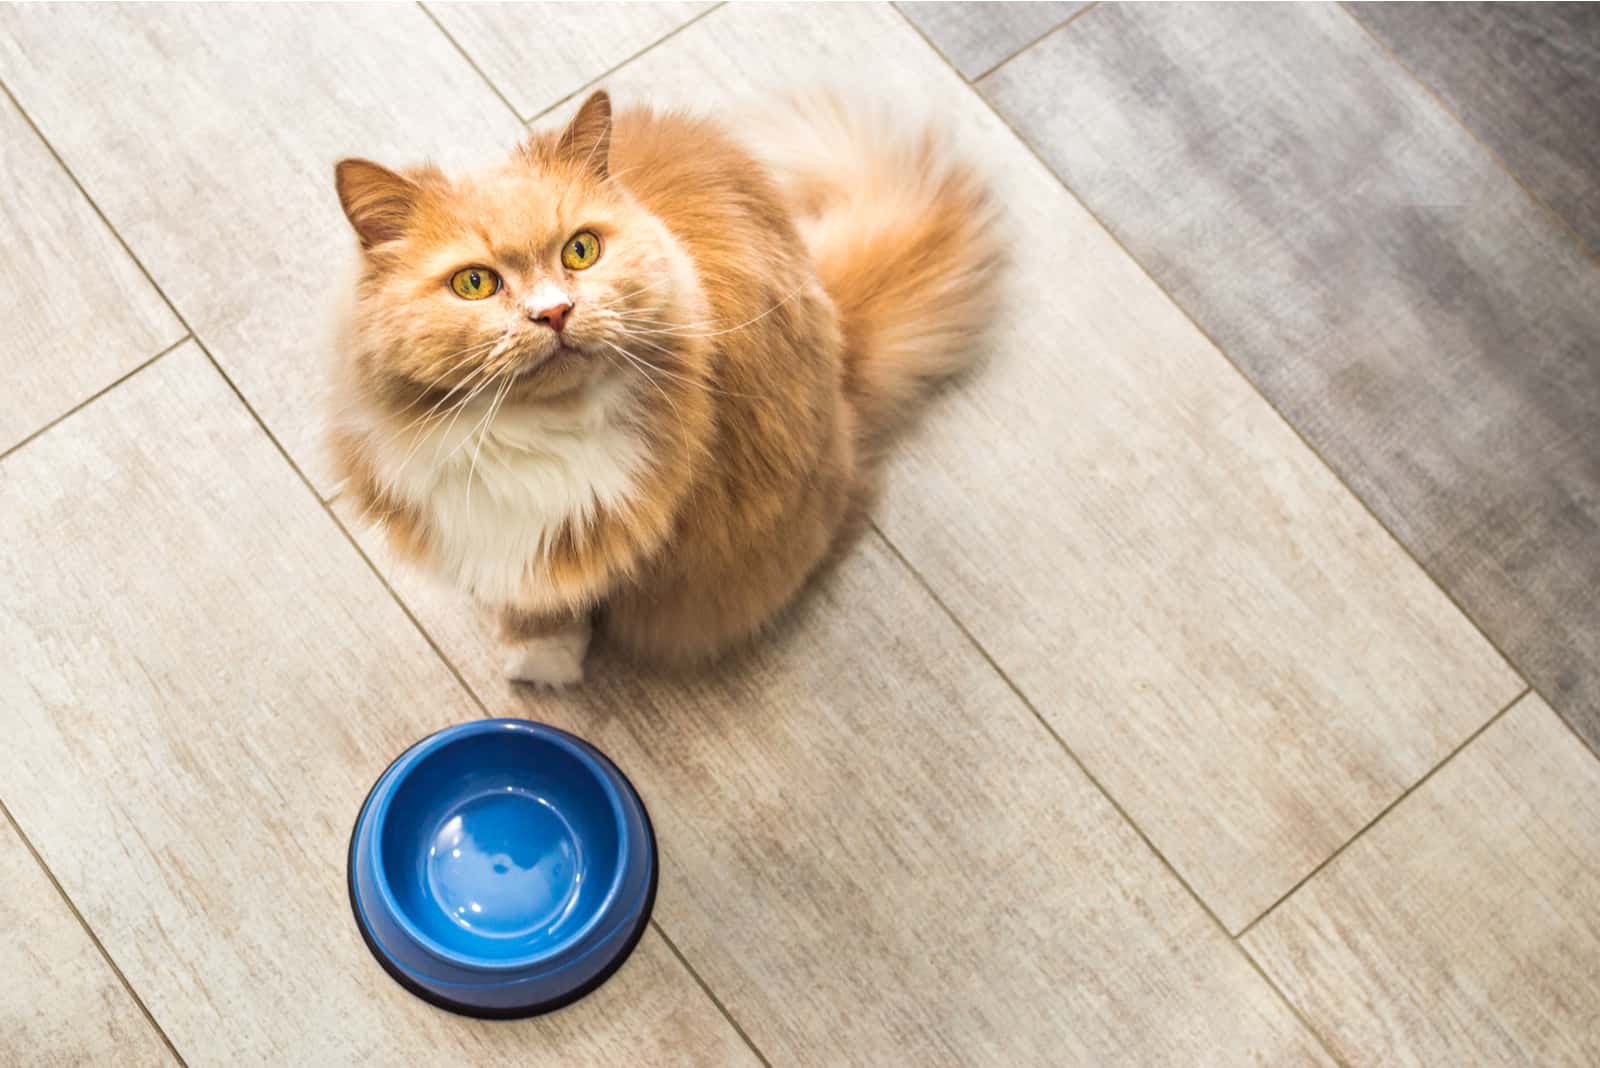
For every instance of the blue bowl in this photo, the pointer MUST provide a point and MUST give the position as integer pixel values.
(502, 868)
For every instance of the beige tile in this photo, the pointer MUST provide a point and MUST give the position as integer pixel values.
(203, 679)
(60, 1003)
(1236, 649)
(538, 53)
(208, 134)
(1465, 927)
(77, 312)
(875, 855)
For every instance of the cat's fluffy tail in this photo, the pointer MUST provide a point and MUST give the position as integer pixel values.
(906, 243)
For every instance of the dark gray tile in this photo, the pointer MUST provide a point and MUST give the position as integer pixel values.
(1433, 332)
(1525, 77)
(975, 37)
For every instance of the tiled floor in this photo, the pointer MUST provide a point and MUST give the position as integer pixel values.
(1219, 681)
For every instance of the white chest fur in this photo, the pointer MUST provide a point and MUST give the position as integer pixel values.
(496, 493)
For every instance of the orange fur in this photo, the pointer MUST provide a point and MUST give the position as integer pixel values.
(686, 453)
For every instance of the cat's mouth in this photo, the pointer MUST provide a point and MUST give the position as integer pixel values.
(563, 350)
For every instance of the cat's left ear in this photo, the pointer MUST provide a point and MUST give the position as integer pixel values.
(378, 202)
(587, 138)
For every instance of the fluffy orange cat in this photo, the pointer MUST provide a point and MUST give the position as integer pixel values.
(637, 374)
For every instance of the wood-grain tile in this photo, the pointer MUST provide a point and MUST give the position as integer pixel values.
(1244, 658)
(538, 53)
(976, 36)
(60, 1003)
(203, 678)
(874, 854)
(208, 135)
(1465, 927)
(1427, 327)
(1524, 77)
(78, 314)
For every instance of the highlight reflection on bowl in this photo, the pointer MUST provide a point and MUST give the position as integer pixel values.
(499, 885)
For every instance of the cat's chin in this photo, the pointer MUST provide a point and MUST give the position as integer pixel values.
(561, 353)
(566, 369)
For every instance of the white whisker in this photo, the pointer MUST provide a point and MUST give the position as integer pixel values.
(682, 378)
(436, 405)
(488, 424)
(677, 414)
(693, 330)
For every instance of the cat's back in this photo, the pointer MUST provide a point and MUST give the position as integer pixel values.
(693, 175)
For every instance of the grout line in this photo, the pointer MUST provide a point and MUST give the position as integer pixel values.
(1444, 106)
(96, 395)
(676, 952)
(1082, 11)
(493, 88)
(99, 214)
(1413, 788)
(99, 945)
(327, 506)
(612, 70)
(1116, 805)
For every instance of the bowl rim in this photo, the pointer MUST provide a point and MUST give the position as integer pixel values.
(592, 760)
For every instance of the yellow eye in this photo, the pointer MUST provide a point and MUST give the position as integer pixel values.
(581, 251)
(475, 283)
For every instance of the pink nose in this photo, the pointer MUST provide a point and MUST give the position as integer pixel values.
(555, 316)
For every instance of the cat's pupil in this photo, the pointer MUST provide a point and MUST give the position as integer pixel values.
(580, 250)
(472, 280)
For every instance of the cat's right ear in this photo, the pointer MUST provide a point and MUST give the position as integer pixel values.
(587, 138)
(378, 202)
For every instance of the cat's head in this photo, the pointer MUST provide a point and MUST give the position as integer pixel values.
(529, 275)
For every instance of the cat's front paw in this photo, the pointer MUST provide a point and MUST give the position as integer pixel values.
(555, 661)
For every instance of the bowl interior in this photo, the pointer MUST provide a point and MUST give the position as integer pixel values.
(500, 846)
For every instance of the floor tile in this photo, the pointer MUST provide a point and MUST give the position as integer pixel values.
(77, 312)
(538, 53)
(208, 135)
(1427, 327)
(60, 1003)
(1524, 77)
(976, 36)
(874, 855)
(203, 679)
(1464, 928)
(1238, 652)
